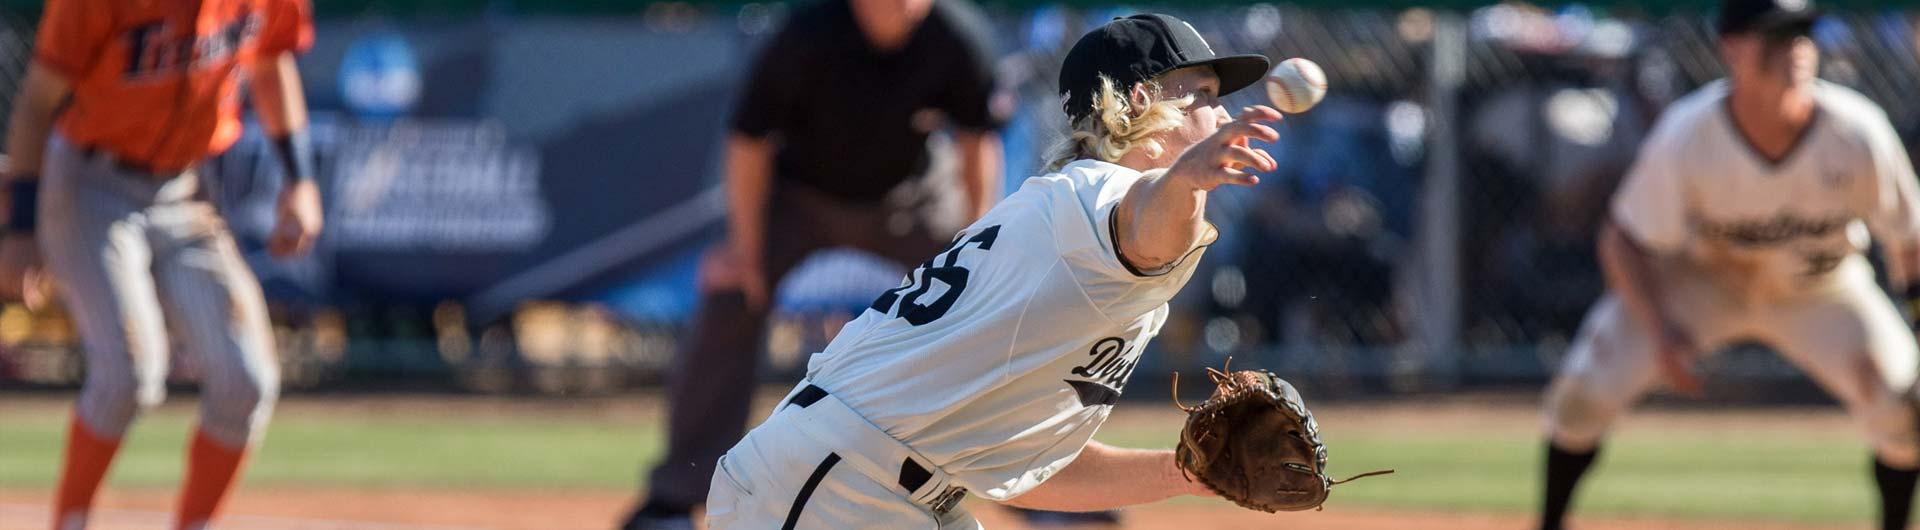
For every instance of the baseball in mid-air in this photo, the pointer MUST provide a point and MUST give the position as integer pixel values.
(1296, 85)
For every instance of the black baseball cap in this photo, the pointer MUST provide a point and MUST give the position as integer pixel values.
(1139, 47)
(1766, 16)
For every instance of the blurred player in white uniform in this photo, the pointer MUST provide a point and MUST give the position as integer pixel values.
(989, 369)
(1745, 218)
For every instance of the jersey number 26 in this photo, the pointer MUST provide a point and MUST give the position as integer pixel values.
(921, 280)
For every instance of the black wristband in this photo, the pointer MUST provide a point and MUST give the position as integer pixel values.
(23, 196)
(296, 155)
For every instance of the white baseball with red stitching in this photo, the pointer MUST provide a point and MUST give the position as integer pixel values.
(1296, 85)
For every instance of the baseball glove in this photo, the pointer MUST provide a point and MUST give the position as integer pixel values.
(1255, 443)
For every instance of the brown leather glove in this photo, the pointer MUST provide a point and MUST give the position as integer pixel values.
(1255, 443)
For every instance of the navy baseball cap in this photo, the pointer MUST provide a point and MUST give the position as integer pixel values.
(1139, 47)
(1766, 16)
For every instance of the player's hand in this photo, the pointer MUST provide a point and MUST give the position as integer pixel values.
(727, 269)
(752, 279)
(753, 284)
(298, 220)
(1224, 157)
(1677, 353)
(22, 278)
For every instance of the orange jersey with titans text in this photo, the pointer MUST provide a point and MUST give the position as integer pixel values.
(156, 83)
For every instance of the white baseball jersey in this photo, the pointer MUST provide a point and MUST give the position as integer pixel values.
(1792, 231)
(1000, 357)
(1699, 188)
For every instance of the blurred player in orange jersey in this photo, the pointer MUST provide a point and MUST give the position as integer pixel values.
(121, 102)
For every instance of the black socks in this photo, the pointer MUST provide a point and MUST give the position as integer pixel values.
(1564, 469)
(1896, 494)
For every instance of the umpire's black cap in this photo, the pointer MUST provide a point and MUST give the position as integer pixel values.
(1766, 16)
(1139, 47)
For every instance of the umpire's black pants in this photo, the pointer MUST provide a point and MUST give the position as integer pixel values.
(716, 370)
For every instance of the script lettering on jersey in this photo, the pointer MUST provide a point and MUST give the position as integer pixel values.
(158, 48)
(1106, 373)
(1782, 228)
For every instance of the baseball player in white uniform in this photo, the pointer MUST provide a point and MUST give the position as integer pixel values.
(1745, 217)
(989, 369)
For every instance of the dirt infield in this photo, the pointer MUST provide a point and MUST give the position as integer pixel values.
(311, 509)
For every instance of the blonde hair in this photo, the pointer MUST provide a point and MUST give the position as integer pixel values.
(1116, 126)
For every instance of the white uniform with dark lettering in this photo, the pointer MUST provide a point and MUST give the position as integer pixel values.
(1755, 249)
(986, 371)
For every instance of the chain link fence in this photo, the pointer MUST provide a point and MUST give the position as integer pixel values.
(16, 49)
(1548, 128)
(1432, 223)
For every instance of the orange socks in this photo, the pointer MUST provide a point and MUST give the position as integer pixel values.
(88, 456)
(211, 468)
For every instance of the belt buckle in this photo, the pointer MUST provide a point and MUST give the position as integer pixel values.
(123, 164)
(947, 500)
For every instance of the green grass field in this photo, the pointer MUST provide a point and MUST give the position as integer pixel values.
(1806, 467)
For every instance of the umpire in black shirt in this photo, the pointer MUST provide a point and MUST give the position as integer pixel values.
(827, 145)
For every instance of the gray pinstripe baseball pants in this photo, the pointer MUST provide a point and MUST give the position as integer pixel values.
(136, 256)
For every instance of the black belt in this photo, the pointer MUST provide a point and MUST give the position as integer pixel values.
(125, 165)
(913, 476)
